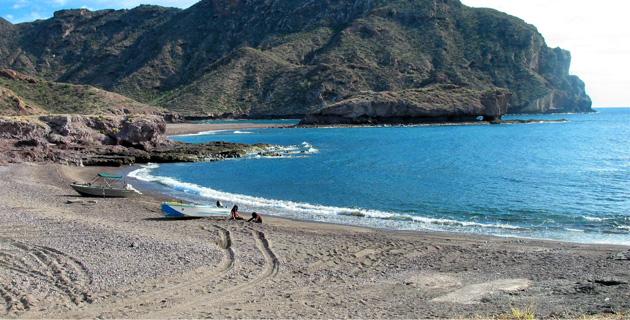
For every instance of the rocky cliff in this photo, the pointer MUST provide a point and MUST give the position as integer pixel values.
(434, 104)
(278, 57)
(103, 140)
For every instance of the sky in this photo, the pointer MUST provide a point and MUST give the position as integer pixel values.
(596, 32)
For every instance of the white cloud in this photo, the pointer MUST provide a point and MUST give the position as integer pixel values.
(135, 3)
(19, 4)
(35, 15)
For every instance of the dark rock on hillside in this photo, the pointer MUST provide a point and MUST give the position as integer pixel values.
(434, 104)
(276, 57)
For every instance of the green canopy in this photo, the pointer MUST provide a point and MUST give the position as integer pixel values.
(109, 176)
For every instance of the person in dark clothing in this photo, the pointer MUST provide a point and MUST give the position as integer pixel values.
(256, 218)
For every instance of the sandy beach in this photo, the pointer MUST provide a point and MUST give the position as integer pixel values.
(192, 128)
(117, 258)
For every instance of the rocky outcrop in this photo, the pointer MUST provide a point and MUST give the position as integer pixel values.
(429, 105)
(261, 58)
(100, 140)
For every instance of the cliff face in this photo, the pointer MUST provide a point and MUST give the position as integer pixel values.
(103, 140)
(434, 104)
(278, 57)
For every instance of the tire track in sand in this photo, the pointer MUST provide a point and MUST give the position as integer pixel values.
(225, 242)
(273, 263)
(270, 269)
(14, 301)
(65, 275)
(132, 303)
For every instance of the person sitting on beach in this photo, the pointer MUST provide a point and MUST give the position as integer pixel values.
(256, 218)
(234, 215)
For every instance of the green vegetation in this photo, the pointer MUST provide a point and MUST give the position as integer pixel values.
(526, 314)
(20, 94)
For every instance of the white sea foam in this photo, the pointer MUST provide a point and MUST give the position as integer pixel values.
(624, 227)
(596, 219)
(242, 132)
(449, 222)
(299, 208)
(309, 148)
(290, 151)
(573, 230)
(202, 133)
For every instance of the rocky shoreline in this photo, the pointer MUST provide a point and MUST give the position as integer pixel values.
(104, 141)
(81, 140)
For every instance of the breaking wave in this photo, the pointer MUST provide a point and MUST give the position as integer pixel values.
(594, 219)
(202, 133)
(292, 151)
(300, 209)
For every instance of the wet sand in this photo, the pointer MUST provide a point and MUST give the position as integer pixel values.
(173, 129)
(117, 258)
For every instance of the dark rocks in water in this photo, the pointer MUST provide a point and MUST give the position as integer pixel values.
(436, 104)
(168, 153)
(526, 121)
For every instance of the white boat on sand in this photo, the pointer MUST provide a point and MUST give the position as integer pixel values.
(182, 210)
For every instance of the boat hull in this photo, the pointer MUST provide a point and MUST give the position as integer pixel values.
(176, 210)
(102, 192)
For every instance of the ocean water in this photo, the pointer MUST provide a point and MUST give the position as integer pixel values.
(566, 181)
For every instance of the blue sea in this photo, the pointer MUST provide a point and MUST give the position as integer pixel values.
(566, 181)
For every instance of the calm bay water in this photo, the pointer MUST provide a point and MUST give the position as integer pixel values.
(567, 181)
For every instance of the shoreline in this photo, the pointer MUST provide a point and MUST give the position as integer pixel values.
(120, 259)
(163, 195)
(189, 128)
(366, 224)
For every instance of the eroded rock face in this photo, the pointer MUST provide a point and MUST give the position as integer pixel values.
(18, 129)
(102, 140)
(143, 133)
(436, 104)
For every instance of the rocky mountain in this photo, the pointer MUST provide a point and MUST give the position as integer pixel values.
(294, 57)
(27, 95)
